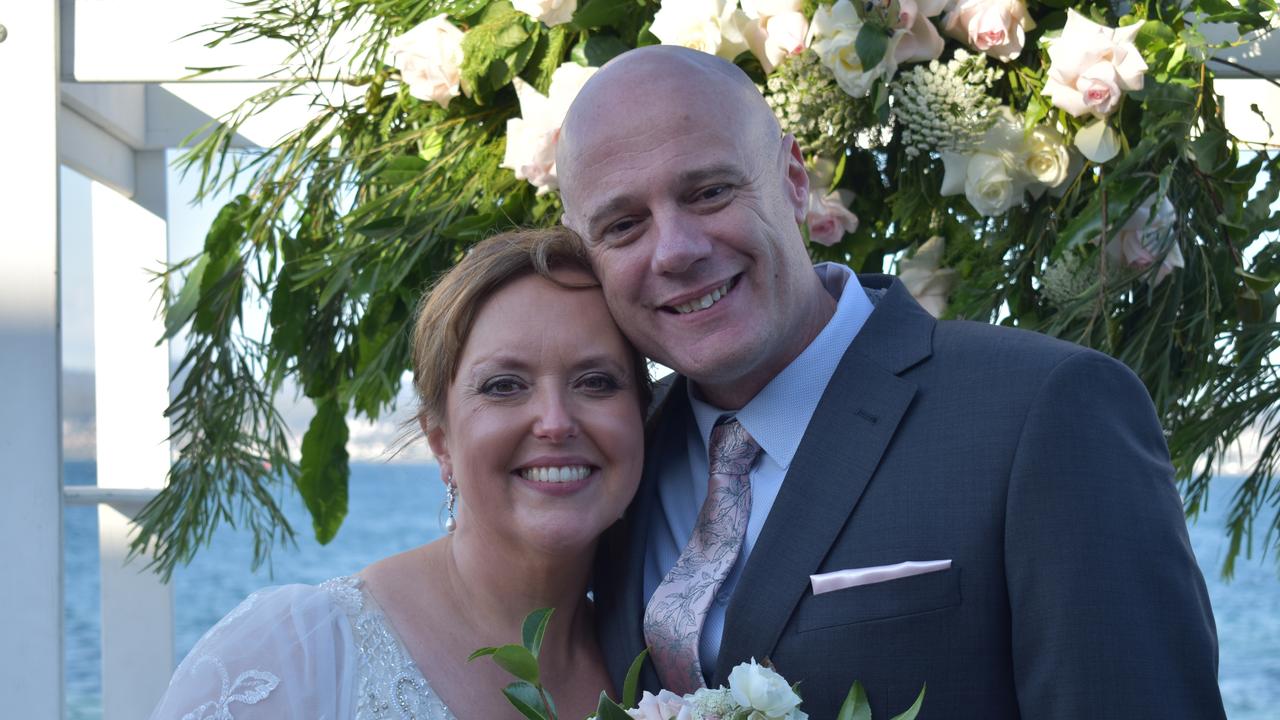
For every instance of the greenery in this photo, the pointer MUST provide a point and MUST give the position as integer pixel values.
(346, 220)
(528, 695)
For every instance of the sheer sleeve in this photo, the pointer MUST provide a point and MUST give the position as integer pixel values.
(284, 652)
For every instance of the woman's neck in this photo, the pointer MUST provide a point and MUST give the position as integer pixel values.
(494, 587)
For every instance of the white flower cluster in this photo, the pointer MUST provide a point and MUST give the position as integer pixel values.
(945, 107)
(810, 105)
(1067, 279)
(755, 692)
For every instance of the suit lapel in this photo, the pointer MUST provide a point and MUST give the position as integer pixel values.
(853, 424)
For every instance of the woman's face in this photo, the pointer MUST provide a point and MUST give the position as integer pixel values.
(543, 429)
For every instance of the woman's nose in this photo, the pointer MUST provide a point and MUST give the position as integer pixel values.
(555, 420)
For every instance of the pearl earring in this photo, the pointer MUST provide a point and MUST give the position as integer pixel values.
(451, 500)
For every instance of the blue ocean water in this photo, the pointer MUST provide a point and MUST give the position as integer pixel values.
(395, 507)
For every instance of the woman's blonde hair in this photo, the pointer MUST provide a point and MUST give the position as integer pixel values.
(446, 314)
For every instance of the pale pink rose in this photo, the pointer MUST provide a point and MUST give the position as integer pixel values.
(532, 137)
(995, 27)
(1137, 243)
(1091, 65)
(917, 40)
(928, 282)
(666, 705)
(773, 30)
(829, 217)
(429, 58)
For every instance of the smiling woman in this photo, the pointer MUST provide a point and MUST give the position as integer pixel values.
(533, 402)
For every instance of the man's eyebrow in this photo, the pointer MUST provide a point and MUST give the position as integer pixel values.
(692, 177)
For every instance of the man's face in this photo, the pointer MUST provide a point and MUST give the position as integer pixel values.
(691, 220)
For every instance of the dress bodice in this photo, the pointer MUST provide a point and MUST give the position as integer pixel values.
(325, 651)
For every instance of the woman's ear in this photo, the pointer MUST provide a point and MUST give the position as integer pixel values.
(439, 447)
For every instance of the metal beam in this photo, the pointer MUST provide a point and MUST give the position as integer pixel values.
(30, 362)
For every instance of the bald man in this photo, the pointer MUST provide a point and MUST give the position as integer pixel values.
(981, 509)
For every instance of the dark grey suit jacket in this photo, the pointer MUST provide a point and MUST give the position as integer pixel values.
(1036, 466)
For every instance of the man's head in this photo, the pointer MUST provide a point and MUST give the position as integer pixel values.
(674, 170)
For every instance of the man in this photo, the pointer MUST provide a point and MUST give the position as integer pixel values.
(1024, 482)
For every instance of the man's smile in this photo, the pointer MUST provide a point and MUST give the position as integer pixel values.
(703, 301)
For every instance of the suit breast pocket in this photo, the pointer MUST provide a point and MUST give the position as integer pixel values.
(880, 601)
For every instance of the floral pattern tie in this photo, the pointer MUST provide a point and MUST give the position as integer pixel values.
(673, 620)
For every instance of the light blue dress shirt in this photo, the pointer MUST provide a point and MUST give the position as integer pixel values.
(777, 418)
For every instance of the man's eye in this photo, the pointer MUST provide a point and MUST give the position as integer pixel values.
(502, 386)
(712, 193)
(620, 227)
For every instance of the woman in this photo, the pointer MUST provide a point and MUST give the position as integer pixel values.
(533, 403)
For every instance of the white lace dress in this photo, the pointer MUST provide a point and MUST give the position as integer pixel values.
(323, 652)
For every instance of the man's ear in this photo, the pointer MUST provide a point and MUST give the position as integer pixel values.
(796, 178)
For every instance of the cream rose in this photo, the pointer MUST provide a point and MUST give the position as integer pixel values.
(995, 27)
(712, 26)
(833, 34)
(829, 217)
(760, 688)
(1045, 158)
(1092, 65)
(773, 30)
(532, 137)
(551, 12)
(429, 58)
(1097, 141)
(1136, 244)
(990, 176)
(925, 279)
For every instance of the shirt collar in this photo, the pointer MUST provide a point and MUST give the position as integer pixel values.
(779, 414)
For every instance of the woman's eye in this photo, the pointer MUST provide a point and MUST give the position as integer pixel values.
(599, 383)
(502, 386)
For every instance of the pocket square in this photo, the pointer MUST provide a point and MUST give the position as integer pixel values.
(853, 577)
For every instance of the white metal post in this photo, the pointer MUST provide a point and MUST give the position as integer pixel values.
(133, 450)
(30, 363)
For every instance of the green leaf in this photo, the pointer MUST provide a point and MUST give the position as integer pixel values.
(871, 44)
(914, 710)
(482, 652)
(598, 50)
(607, 709)
(526, 699)
(495, 50)
(599, 13)
(188, 298)
(322, 480)
(856, 706)
(1213, 151)
(534, 629)
(518, 661)
(631, 685)
(403, 169)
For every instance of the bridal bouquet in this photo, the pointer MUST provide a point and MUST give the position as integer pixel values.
(756, 691)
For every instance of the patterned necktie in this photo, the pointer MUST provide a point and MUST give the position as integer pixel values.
(673, 620)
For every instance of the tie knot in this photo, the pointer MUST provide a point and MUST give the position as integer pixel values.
(732, 449)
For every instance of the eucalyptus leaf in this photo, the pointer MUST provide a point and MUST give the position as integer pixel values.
(855, 705)
(322, 482)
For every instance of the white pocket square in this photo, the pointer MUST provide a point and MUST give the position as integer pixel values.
(853, 577)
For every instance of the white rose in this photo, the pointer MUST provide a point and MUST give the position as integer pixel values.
(551, 12)
(1097, 141)
(711, 26)
(773, 30)
(532, 137)
(923, 277)
(760, 688)
(429, 58)
(989, 176)
(1045, 158)
(996, 27)
(829, 217)
(833, 34)
(1136, 244)
(1091, 65)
